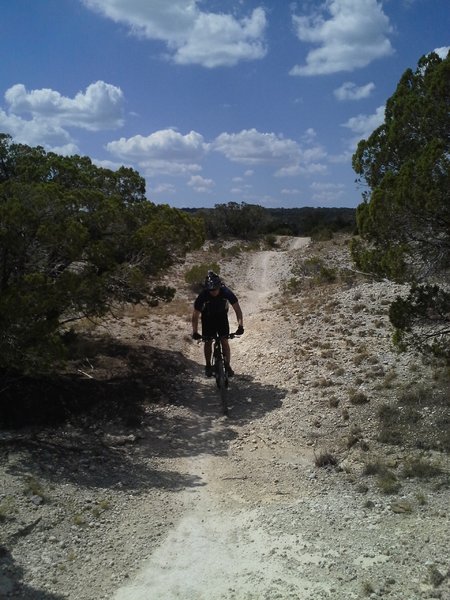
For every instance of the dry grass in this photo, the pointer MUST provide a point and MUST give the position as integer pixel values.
(389, 379)
(367, 588)
(435, 577)
(79, 520)
(33, 487)
(362, 354)
(386, 480)
(333, 402)
(419, 418)
(388, 483)
(324, 382)
(7, 508)
(421, 499)
(357, 397)
(325, 459)
(375, 467)
(358, 307)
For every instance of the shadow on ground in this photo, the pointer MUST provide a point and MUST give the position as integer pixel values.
(108, 381)
(175, 410)
(195, 424)
(11, 585)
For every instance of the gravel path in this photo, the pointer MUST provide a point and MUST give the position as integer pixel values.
(239, 508)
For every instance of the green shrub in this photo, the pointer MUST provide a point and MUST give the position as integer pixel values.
(391, 436)
(7, 508)
(311, 266)
(420, 468)
(196, 274)
(388, 413)
(76, 240)
(315, 269)
(326, 275)
(388, 483)
(231, 252)
(271, 241)
(375, 467)
(294, 285)
(322, 234)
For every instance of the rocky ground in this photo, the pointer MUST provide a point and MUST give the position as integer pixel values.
(329, 479)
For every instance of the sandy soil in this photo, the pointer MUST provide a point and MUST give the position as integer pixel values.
(206, 507)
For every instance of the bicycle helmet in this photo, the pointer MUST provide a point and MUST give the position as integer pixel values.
(212, 281)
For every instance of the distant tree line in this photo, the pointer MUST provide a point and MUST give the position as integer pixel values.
(250, 221)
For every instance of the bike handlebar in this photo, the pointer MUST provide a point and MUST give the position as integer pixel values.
(230, 336)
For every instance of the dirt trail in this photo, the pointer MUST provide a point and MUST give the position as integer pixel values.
(217, 549)
(264, 273)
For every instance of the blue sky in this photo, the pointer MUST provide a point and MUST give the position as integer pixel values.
(213, 101)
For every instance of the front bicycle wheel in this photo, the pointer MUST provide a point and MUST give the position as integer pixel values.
(222, 384)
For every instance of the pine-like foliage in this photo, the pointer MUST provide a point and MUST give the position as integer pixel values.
(74, 240)
(404, 220)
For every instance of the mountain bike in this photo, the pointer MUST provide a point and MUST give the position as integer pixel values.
(219, 368)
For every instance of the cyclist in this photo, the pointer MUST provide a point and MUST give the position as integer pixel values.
(212, 305)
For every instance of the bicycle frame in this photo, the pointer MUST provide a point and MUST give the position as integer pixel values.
(220, 372)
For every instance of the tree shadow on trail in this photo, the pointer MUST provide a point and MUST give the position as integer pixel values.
(175, 410)
(85, 461)
(108, 380)
(201, 428)
(12, 585)
(247, 398)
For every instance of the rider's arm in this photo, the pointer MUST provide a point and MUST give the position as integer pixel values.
(195, 316)
(238, 311)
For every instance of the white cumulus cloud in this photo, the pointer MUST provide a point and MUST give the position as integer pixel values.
(201, 184)
(252, 147)
(163, 152)
(163, 188)
(354, 34)
(442, 52)
(327, 193)
(191, 35)
(99, 107)
(363, 125)
(37, 132)
(350, 91)
(290, 192)
(43, 117)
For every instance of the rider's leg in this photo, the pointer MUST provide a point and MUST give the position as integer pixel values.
(226, 350)
(207, 331)
(227, 356)
(208, 351)
(224, 329)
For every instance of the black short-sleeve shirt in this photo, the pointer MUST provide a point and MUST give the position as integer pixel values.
(213, 305)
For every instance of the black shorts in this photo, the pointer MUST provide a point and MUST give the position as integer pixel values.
(215, 324)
